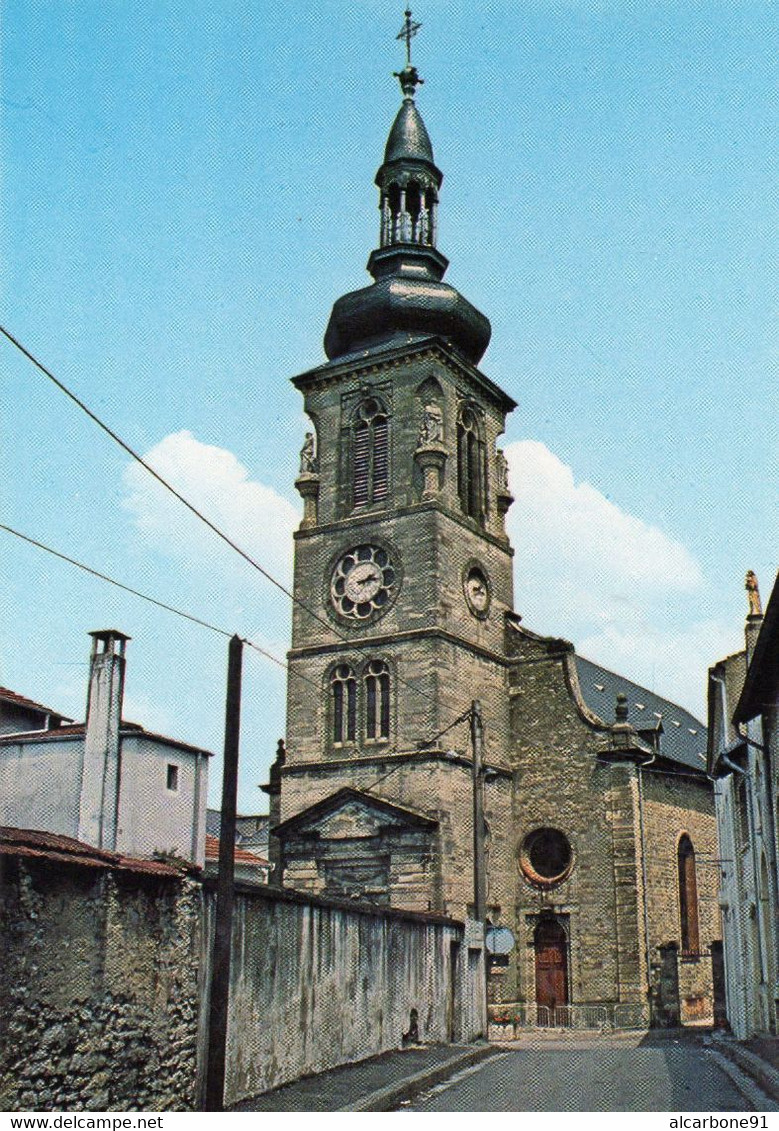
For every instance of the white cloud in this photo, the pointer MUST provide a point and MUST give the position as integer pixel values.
(628, 595)
(253, 515)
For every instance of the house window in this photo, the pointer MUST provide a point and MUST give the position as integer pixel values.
(688, 896)
(173, 777)
(344, 700)
(471, 474)
(377, 701)
(370, 454)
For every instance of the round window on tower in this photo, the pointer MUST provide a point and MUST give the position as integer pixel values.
(546, 857)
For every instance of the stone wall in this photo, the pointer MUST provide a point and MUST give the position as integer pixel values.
(105, 960)
(675, 805)
(99, 987)
(315, 984)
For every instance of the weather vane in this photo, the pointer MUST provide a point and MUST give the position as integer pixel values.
(407, 32)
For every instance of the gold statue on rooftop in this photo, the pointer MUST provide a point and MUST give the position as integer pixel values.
(753, 594)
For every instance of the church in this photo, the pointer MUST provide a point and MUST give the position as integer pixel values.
(440, 755)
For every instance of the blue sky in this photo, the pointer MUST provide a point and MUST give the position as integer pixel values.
(188, 187)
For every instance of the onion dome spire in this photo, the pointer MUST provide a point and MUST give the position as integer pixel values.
(408, 299)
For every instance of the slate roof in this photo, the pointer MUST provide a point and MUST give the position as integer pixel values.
(684, 738)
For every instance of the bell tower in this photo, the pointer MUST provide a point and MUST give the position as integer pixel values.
(403, 568)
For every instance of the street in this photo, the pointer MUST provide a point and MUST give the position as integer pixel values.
(643, 1072)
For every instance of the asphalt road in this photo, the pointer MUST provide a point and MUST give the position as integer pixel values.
(595, 1073)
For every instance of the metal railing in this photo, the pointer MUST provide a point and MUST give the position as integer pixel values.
(507, 1019)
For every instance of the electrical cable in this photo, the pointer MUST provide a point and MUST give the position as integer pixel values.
(153, 600)
(198, 514)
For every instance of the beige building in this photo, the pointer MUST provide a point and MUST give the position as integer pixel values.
(597, 845)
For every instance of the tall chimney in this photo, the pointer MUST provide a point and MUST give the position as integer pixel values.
(100, 776)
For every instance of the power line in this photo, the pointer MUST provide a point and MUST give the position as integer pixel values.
(354, 645)
(160, 479)
(153, 600)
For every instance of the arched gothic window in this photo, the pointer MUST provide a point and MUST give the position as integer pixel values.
(377, 701)
(343, 688)
(688, 896)
(370, 454)
(471, 475)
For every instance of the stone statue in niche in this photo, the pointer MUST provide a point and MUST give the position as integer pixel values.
(753, 595)
(432, 430)
(502, 468)
(309, 464)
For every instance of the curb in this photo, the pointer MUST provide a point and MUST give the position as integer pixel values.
(763, 1074)
(388, 1098)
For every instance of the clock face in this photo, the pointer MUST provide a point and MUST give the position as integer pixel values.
(364, 582)
(477, 591)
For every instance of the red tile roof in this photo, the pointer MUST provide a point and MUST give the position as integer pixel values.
(241, 855)
(21, 701)
(127, 730)
(64, 849)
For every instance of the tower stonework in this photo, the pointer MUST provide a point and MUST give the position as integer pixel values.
(403, 569)
(404, 616)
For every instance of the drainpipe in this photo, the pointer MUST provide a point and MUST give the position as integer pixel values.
(640, 767)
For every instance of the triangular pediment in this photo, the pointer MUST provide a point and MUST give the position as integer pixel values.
(351, 814)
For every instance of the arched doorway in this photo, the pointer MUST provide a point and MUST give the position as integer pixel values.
(551, 948)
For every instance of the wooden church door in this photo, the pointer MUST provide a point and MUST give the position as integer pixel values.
(551, 947)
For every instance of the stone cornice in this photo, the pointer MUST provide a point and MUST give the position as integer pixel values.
(372, 362)
(404, 637)
(354, 521)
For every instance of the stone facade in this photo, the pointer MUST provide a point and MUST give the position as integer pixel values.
(596, 828)
(100, 980)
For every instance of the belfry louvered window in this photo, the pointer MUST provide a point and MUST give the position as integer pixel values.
(343, 687)
(370, 454)
(470, 464)
(377, 701)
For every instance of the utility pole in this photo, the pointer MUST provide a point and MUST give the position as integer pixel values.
(479, 869)
(223, 926)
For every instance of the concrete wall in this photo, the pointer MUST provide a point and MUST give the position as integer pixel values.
(99, 989)
(315, 984)
(41, 782)
(153, 817)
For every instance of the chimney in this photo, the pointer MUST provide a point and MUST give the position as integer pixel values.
(101, 767)
(755, 616)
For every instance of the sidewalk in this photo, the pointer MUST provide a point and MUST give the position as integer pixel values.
(378, 1084)
(759, 1058)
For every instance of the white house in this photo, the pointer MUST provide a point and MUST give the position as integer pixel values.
(743, 759)
(105, 782)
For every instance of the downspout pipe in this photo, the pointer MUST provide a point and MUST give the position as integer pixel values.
(647, 947)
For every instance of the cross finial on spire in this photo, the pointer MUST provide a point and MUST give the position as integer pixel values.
(409, 76)
(407, 32)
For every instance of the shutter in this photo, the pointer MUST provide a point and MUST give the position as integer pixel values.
(361, 458)
(380, 458)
